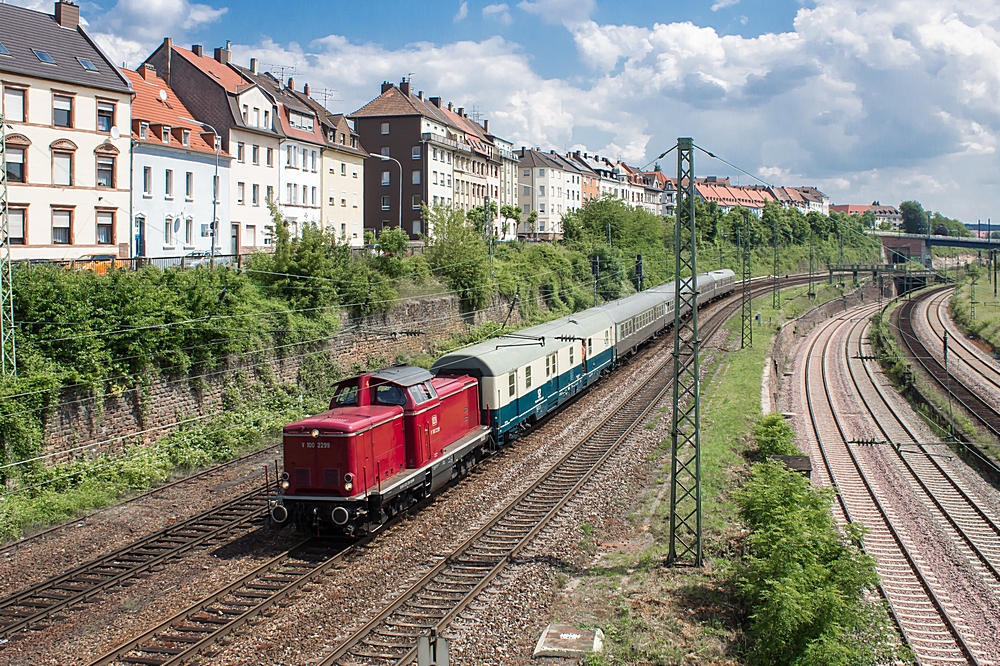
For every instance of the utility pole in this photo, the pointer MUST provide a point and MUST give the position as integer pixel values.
(685, 430)
(775, 292)
(595, 270)
(8, 353)
(638, 270)
(488, 229)
(812, 291)
(746, 300)
(840, 260)
(947, 374)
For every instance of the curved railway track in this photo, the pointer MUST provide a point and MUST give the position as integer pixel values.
(959, 345)
(955, 507)
(981, 410)
(444, 591)
(30, 607)
(920, 610)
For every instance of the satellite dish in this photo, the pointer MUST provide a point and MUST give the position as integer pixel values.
(116, 133)
(163, 95)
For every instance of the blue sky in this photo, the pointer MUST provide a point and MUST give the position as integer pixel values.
(865, 99)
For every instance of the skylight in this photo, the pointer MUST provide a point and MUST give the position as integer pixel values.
(44, 57)
(3, 50)
(88, 64)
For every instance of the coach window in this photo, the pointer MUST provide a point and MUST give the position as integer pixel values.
(590, 343)
(511, 384)
(527, 377)
(606, 338)
(571, 355)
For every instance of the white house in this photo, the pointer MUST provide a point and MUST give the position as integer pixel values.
(67, 108)
(174, 167)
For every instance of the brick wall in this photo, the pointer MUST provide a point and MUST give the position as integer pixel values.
(81, 420)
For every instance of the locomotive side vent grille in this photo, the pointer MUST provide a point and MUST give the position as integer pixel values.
(302, 476)
(331, 477)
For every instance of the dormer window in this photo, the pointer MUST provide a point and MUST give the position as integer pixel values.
(165, 135)
(300, 121)
(143, 130)
(43, 56)
(186, 137)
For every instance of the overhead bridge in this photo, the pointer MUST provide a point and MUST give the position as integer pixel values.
(899, 248)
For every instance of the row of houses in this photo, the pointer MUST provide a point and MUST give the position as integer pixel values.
(183, 155)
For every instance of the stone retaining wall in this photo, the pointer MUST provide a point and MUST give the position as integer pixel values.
(83, 422)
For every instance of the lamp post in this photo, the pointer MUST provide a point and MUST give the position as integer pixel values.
(386, 158)
(215, 188)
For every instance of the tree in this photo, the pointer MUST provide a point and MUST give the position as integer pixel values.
(532, 221)
(458, 252)
(509, 212)
(914, 217)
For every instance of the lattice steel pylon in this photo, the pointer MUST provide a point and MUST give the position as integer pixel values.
(685, 431)
(775, 289)
(746, 302)
(8, 354)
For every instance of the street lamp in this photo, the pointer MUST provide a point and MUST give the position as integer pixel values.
(385, 158)
(215, 187)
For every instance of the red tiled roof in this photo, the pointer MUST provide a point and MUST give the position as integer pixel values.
(148, 107)
(223, 74)
(850, 209)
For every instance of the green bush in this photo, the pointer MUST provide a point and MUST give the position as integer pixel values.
(774, 437)
(805, 585)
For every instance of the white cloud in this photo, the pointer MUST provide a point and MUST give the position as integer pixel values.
(463, 11)
(498, 11)
(722, 4)
(566, 12)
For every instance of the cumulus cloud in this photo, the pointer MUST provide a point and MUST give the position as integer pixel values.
(500, 12)
(463, 11)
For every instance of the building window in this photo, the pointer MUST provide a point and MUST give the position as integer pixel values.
(541, 207)
(385, 203)
(105, 171)
(385, 128)
(541, 190)
(415, 202)
(314, 195)
(415, 152)
(343, 168)
(62, 111)
(267, 119)
(62, 169)
(449, 158)
(305, 195)
(165, 135)
(385, 178)
(105, 228)
(290, 157)
(256, 117)
(105, 116)
(355, 199)
(241, 152)
(245, 111)
(168, 183)
(527, 190)
(143, 131)
(314, 161)
(168, 231)
(188, 231)
(62, 227)
(16, 172)
(147, 181)
(385, 151)
(255, 194)
(449, 180)
(415, 177)
(270, 157)
(255, 154)
(13, 104)
(288, 193)
(15, 225)
(240, 193)
(189, 185)
(270, 193)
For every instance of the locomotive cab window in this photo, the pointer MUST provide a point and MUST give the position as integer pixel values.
(346, 395)
(419, 393)
(389, 394)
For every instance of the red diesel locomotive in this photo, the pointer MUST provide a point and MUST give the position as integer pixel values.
(389, 439)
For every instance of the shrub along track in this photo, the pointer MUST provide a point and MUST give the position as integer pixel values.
(456, 580)
(921, 607)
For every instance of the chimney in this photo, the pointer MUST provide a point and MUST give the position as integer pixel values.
(451, 107)
(254, 69)
(420, 94)
(198, 50)
(486, 126)
(168, 45)
(224, 55)
(147, 71)
(461, 111)
(436, 101)
(404, 86)
(305, 90)
(291, 83)
(386, 87)
(67, 14)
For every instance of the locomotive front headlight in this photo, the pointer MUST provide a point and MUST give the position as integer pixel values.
(284, 485)
(348, 486)
(314, 433)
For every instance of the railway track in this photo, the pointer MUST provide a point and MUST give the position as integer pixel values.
(208, 620)
(30, 607)
(920, 607)
(956, 508)
(981, 410)
(959, 345)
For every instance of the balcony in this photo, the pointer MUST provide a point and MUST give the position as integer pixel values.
(445, 142)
